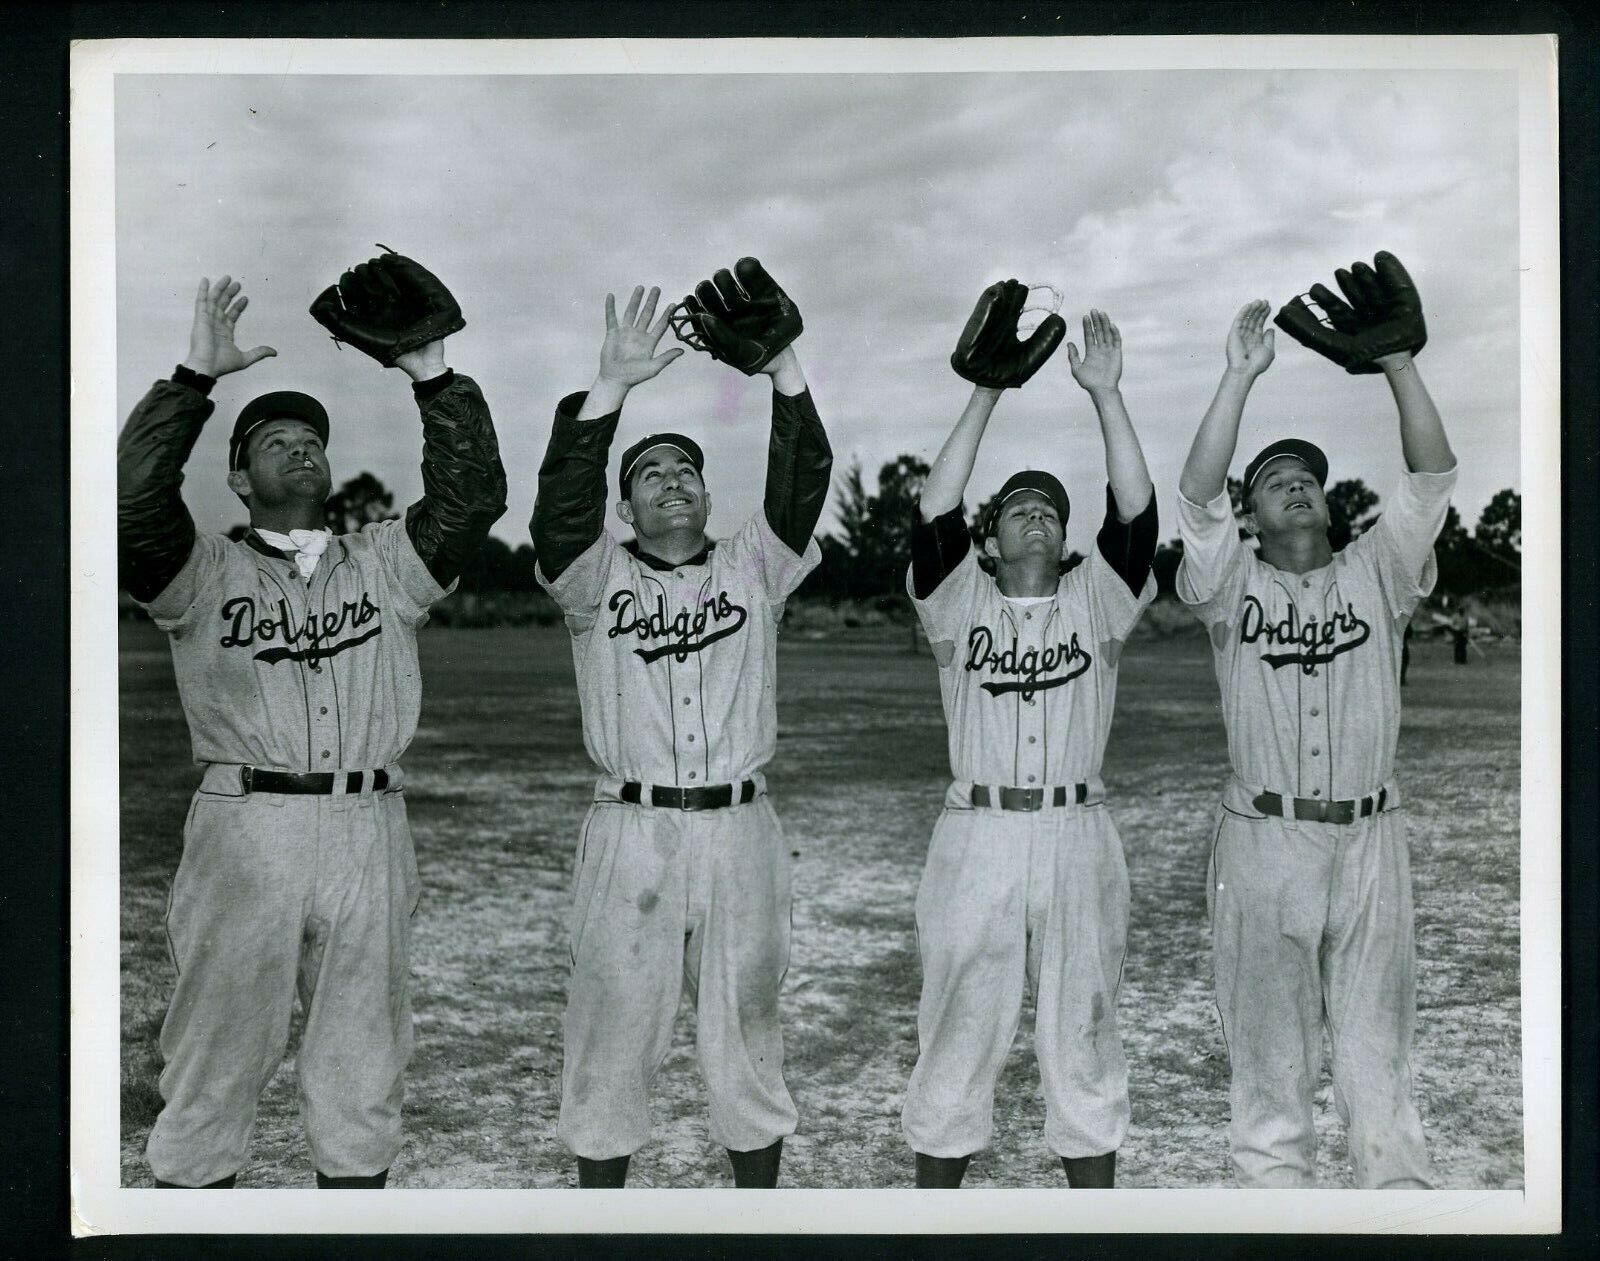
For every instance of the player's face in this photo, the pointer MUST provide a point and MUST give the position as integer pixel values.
(1286, 498)
(1028, 525)
(666, 494)
(285, 461)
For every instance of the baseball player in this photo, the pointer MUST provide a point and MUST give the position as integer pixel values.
(296, 661)
(1025, 879)
(682, 875)
(1310, 888)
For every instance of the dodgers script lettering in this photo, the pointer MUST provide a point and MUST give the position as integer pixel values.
(684, 632)
(1030, 671)
(1315, 641)
(245, 628)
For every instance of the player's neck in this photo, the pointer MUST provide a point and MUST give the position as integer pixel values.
(281, 518)
(1297, 551)
(1031, 576)
(673, 546)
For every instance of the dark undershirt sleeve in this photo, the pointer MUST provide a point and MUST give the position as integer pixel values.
(463, 481)
(570, 509)
(799, 463)
(937, 547)
(1129, 547)
(155, 532)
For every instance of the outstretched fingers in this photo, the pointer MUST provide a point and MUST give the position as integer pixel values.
(647, 312)
(611, 312)
(630, 315)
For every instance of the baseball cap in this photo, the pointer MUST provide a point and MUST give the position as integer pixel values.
(279, 405)
(1307, 453)
(638, 450)
(1036, 480)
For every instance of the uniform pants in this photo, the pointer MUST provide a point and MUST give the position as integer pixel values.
(1005, 898)
(1311, 922)
(669, 902)
(277, 894)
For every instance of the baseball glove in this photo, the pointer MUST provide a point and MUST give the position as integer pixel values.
(988, 352)
(741, 317)
(388, 306)
(1383, 316)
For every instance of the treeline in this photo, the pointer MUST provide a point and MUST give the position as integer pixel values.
(864, 559)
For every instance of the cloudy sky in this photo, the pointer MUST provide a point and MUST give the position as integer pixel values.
(883, 203)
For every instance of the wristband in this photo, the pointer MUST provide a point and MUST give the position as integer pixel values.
(199, 382)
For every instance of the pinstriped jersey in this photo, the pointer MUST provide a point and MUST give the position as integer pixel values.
(1309, 664)
(277, 673)
(1029, 687)
(677, 666)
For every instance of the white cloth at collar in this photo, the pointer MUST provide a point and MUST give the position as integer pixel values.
(307, 546)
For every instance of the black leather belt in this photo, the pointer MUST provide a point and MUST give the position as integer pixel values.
(1028, 798)
(256, 780)
(709, 797)
(1312, 810)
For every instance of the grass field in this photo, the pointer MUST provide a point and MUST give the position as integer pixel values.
(498, 782)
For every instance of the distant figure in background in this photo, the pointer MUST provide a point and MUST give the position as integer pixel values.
(1458, 635)
(1405, 654)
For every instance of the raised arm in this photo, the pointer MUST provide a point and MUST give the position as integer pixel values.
(1422, 437)
(947, 479)
(1099, 372)
(463, 480)
(570, 509)
(1250, 351)
(799, 457)
(155, 532)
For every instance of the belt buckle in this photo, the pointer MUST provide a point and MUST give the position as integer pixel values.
(683, 799)
(247, 777)
(1028, 800)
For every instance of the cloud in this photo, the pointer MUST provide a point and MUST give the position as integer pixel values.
(884, 203)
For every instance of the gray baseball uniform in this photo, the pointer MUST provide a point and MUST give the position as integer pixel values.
(1310, 885)
(311, 889)
(676, 669)
(1025, 879)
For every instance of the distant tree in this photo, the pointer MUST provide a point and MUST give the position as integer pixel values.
(1350, 505)
(1499, 530)
(361, 501)
(1165, 566)
(875, 529)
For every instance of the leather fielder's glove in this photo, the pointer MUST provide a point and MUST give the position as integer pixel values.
(988, 352)
(741, 317)
(1382, 317)
(388, 306)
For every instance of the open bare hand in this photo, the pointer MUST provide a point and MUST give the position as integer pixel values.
(1250, 341)
(627, 356)
(212, 350)
(1100, 365)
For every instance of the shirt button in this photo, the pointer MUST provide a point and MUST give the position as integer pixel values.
(1031, 778)
(325, 753)
(1033, 740)
(1315, 711)
(1316, 792)
(1305, 582)
(1027, 617)
(691, 739)
(686, 700)
(315, 668)
(322, 710)
(692, 775)
(1311, 674)
(1316, 752)
(677, 573)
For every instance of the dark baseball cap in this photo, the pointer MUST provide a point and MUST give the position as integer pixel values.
(1307, 453)
(637, 452)
(279, 405)
(1036, 480)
